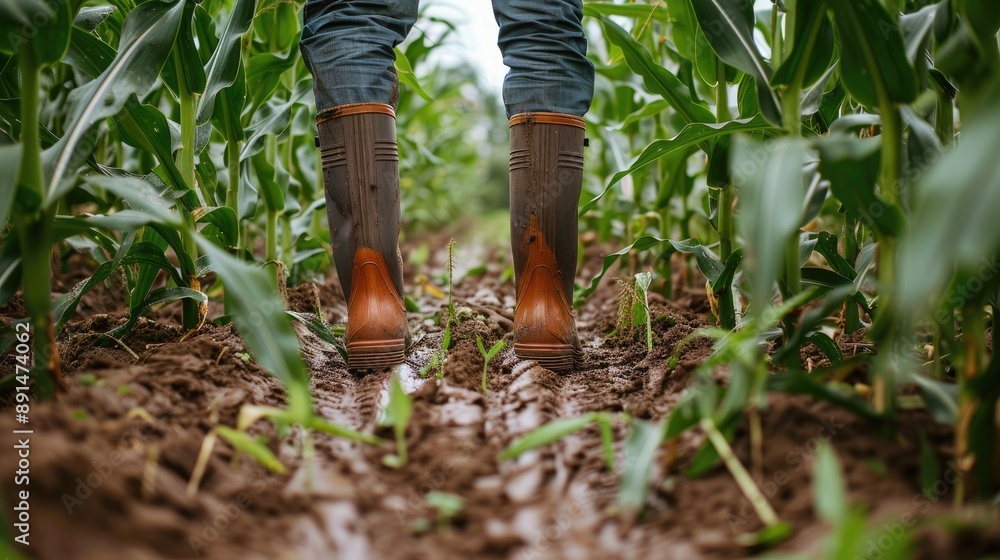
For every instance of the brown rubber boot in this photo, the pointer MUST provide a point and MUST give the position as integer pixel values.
(361, 179)
(546, 175)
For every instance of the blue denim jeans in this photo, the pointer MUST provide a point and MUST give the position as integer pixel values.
(348, 46)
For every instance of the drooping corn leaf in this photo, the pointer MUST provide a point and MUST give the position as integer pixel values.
(258, 311)
(728, 26)
(658, 79)
(224, 65)
(145, 45)
(812, 46)
(852, 167)
(769, 177)
(243, 442)
(640, 448)
(546, 434)
(874, 64)
(692, 135)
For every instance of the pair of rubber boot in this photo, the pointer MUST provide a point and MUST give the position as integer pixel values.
(361, 176)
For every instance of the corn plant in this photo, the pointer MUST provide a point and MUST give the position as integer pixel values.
(560, 428)
(824, 133)
(397, 414)
(488, 355)
(633, 309)
(436, 363)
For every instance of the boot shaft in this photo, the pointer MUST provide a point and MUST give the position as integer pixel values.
(361, 183)
(546, 176)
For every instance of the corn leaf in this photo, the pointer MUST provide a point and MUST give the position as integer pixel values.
(954, 216)
(640, 452)
(258, 311)
(829, 492)
(728, 25)
(812, 46)
(156, 297)
(546, 434)
(242, 442)
(145, 45)
(771, 196)
(874, 65)
(406, 75)
(692, 135)
(852, 167)
(224, 66)
(10, 159)
(658, 79)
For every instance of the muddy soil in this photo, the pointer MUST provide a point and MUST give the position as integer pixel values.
(111, 462)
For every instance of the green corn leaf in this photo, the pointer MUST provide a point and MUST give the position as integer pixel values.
(640, 452)
(146, 128)
(406, 75)
(724, 287)
(708, 263)
(244, 443)
(397, 414)
(10, 269)
(812, 46)
(129, 253)
(258, 311)
(955, 206)
(186, 55)
(141, 196)
(222, 217)
(546, 434)
(156, 297)
(224, 66)
(802, 383)
(692, 135)
(145, 45)
(637, 11)
(141, 126)
(88, 19)
(683, 27)
(10, 159)
(852, 167)
(658, 79)
(264, 71)
(323, 426)
(728, 26)
(916, 29)
(771, 196)
(874, 65)
(829, 492)
(270, 119)
(318, 327)
(48, 41)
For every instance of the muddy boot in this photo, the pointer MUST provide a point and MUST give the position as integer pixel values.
(546, 174)
(361, 179)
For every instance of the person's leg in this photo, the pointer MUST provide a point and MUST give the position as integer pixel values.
(348, 46)
(548, 90)
(545, 47)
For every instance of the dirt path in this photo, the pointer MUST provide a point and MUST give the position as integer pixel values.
(133, 428)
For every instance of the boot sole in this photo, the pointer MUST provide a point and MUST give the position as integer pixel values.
(556, 357)
(375, 354)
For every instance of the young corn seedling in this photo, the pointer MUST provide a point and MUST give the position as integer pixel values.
(488, 354)
(633, 309)
(436, 363)
(561, 428)
(397, 414)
